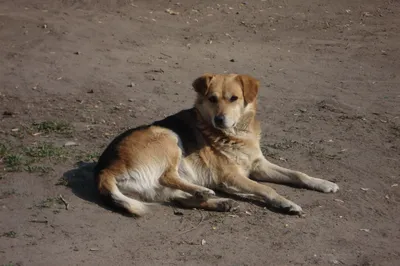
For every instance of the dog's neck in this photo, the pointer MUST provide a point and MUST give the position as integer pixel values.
(247, 125)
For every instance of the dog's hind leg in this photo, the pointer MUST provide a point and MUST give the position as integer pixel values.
(111, 194)
(215, 204)
(170, 178)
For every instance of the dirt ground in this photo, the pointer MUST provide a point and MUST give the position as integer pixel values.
(73, 74)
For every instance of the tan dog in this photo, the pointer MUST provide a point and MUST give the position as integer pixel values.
(184, 157)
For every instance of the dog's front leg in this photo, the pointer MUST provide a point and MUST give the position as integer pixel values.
(242, 184)
(263, 170)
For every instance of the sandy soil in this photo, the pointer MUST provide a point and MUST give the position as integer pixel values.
(79, 72)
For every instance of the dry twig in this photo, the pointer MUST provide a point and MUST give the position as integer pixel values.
(64, 201)
(39, 221)
(191, 229)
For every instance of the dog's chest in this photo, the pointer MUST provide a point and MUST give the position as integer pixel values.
(208, 165)
(240, 155)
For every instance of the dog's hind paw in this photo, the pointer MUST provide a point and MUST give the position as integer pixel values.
(287, 206)
(227, 205)
(204, 194)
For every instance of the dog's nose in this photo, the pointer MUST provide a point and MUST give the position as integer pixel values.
(219, 120)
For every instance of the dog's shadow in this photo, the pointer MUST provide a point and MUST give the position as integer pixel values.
(81, 182)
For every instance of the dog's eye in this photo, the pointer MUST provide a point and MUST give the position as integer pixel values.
(213, 99)
(233, 98)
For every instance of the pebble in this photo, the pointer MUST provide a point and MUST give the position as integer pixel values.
(70, 143)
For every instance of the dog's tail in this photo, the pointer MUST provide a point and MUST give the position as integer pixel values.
(111, 195)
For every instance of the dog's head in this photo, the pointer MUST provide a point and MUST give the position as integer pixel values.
(223, 100)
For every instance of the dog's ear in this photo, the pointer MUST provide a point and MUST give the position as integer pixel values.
(249, 87)
(202, 83)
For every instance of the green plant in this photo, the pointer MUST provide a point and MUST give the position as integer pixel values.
(48, 127)
(44, 150)
(13, 162)
(10, 234)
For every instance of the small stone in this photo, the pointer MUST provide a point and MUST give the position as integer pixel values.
(367, 14)
(15, 129)
(70, 143)
(232, 60)
(203, 242)
(178, 212)
(334, 261)
(90, 91)
(44, 26)
(171, 12)
(77, 53)
(130, 100)
(132, 85)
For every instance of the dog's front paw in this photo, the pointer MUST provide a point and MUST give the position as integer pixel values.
(327, 187)
(285, 206)
(292, 208)
(204, 194)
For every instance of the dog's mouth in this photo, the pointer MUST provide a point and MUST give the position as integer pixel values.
(223, 126)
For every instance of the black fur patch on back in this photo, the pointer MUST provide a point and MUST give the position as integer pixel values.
(179, 125)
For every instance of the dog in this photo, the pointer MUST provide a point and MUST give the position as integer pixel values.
(186, 157)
